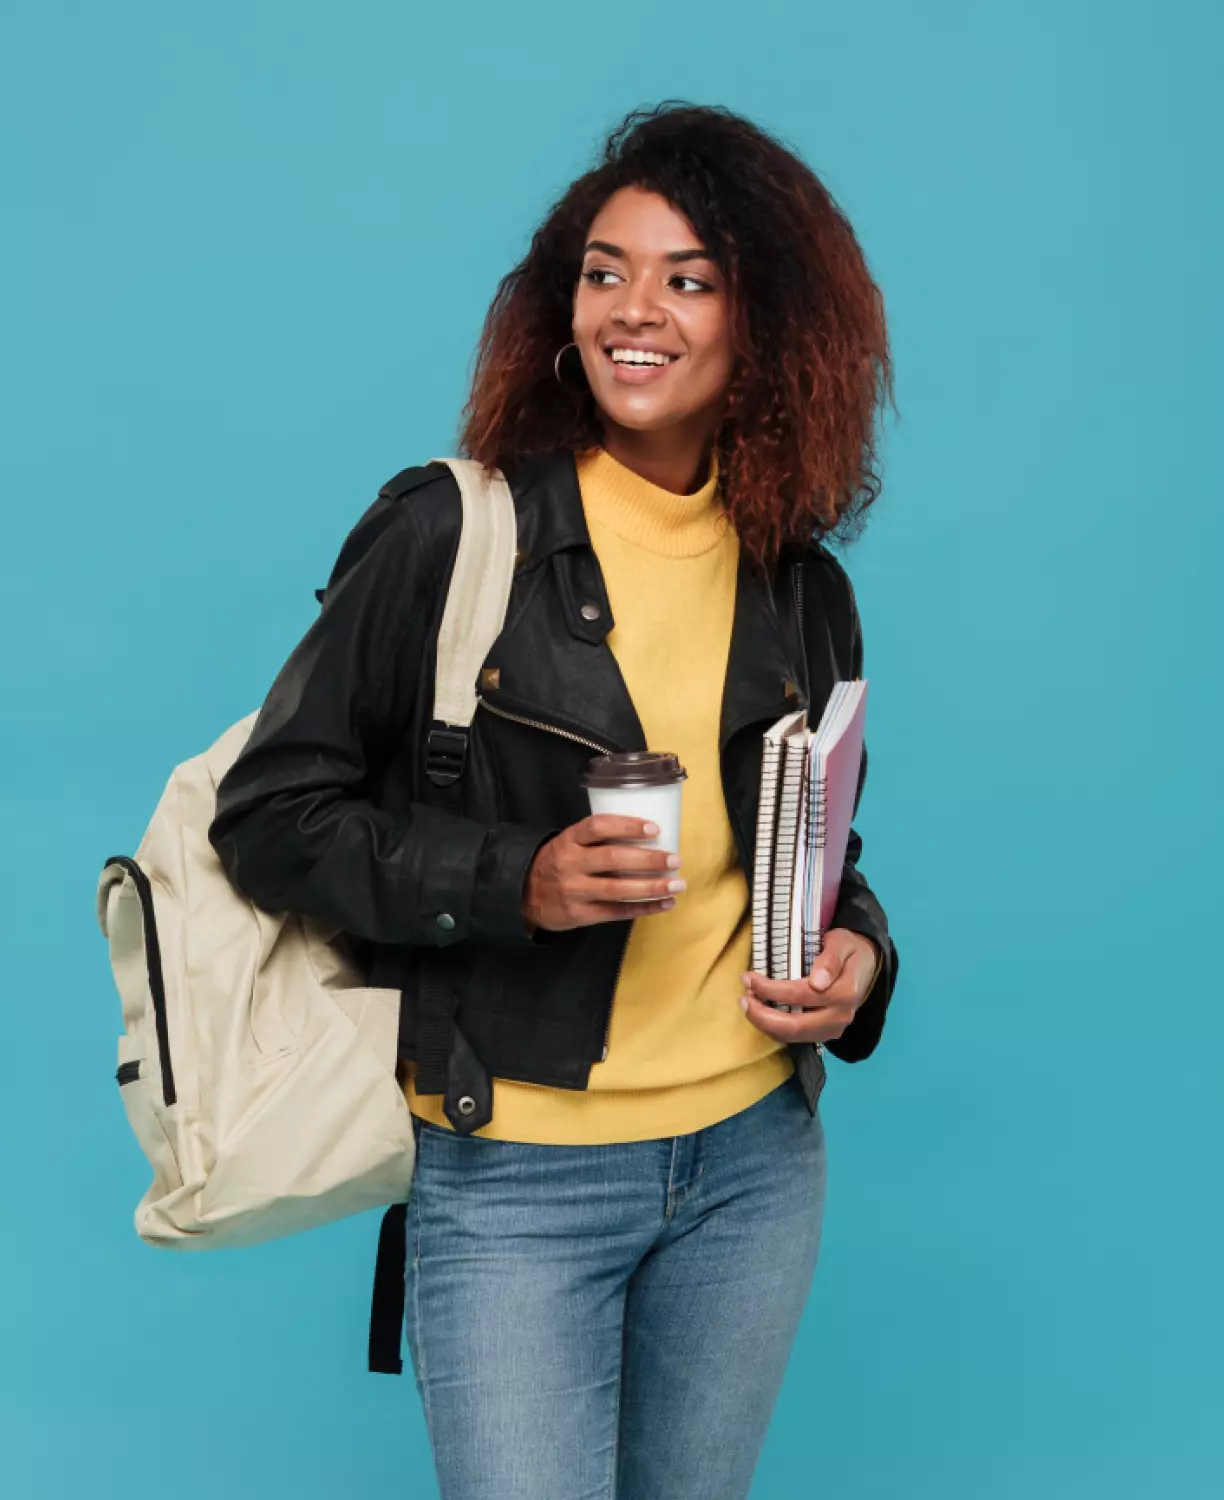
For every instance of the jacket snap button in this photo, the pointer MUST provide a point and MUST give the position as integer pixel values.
(589, 611)
(467, 1105)
(446, 922)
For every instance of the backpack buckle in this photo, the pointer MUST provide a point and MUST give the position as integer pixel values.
(445, 753)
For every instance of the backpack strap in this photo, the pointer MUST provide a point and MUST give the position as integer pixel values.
(471, 621)
(472, 618)
(387, 1302)
(475, 609)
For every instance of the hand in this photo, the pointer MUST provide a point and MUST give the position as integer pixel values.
(571, 881)
(840, 981)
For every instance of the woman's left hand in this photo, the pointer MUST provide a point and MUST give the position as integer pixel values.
(839, 983)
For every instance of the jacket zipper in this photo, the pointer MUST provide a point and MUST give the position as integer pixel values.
(620, 964)
(797, 576)
(577, 739)
(565, 734)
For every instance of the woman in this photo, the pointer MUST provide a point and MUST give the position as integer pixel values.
(609, 1250)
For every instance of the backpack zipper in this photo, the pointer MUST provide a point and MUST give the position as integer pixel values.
(599, 749)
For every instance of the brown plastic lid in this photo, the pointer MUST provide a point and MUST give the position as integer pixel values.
(633, 768)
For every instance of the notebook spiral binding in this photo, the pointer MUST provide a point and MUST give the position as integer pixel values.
(818, 833)
(818, 814)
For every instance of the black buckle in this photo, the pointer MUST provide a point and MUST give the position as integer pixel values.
(445, 753)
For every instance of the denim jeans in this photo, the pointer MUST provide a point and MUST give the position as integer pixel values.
(611, 1322)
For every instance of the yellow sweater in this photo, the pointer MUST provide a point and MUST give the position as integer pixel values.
(681, 1052)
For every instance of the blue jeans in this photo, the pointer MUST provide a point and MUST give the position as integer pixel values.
(611, 1322)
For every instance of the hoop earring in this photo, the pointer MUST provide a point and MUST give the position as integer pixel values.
(557, 364)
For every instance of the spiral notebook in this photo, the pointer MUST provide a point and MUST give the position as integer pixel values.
(792, 727)
(809, 781)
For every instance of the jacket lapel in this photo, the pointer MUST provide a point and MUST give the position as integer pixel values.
(552, 663)
(763, 679)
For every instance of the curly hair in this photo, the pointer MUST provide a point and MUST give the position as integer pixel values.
(797, 444)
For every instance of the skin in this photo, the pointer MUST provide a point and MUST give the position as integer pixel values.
(646, 281)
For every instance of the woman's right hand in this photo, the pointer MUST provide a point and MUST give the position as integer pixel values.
(571, 882)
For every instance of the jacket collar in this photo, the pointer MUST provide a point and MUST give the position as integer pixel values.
(549, 505)
(764, 669)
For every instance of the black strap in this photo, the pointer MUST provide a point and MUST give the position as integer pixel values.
(436, 1005)
(446, 750)
(435, 1019)
(387, 1306)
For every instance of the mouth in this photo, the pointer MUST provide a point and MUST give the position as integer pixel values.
(634, 365)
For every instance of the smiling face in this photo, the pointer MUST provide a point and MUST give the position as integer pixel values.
(652, 324)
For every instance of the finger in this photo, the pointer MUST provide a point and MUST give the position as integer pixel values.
(602, 826)
(593, 912)
(782, 991)
(846, 989)
(828, 967)
(819, 1024)
(597, 859)
(617, 888)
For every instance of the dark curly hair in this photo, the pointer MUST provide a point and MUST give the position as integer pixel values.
(797, 446)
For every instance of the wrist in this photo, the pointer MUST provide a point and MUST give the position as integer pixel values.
(877, 959)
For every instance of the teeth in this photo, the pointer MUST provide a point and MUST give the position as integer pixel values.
(639, 357)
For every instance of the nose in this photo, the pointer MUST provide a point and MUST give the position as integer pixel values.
(637, 306)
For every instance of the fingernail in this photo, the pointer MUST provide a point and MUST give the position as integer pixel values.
(746, 981)
(650, 830)
(676, 885)
(743, 1002)
(820, 979)
(667, 905)
(673, 861)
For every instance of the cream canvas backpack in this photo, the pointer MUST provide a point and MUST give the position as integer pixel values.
(257, 1071)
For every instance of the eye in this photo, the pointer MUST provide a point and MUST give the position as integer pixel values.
(592, 276)
(695, 281)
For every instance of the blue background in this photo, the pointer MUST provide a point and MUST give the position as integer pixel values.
(250, 250)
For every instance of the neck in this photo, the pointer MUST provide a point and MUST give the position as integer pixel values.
(620, 501)
(676, 459)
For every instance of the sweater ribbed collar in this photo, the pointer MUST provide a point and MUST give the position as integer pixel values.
(645, 514)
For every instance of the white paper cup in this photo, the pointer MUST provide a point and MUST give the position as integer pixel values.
(644, 785)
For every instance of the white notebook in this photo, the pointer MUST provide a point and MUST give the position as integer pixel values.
(767, 820)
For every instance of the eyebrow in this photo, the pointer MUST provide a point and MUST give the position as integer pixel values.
(675, 256)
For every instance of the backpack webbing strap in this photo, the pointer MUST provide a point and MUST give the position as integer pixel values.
(387, 1307)
(436, 1002)
(471, 621)
(475, 609)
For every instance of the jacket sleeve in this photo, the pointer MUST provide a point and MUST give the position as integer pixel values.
(857, 909)
(295, 826)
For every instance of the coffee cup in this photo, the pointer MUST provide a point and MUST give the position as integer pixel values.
(642, 784)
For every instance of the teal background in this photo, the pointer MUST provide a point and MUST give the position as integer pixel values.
(248, 253)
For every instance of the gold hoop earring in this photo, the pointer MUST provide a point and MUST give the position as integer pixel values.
(557, 364)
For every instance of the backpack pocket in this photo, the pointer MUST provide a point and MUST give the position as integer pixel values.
(145, 1072)
(130, 924)
(143, 1115)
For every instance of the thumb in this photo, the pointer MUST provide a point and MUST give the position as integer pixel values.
(829, 965)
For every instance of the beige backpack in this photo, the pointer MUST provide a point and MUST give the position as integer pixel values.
(257, 1071)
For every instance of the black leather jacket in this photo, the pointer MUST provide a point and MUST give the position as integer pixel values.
(330, 810)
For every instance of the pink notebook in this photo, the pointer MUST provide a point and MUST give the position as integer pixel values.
(809, 781)
(835, 756)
